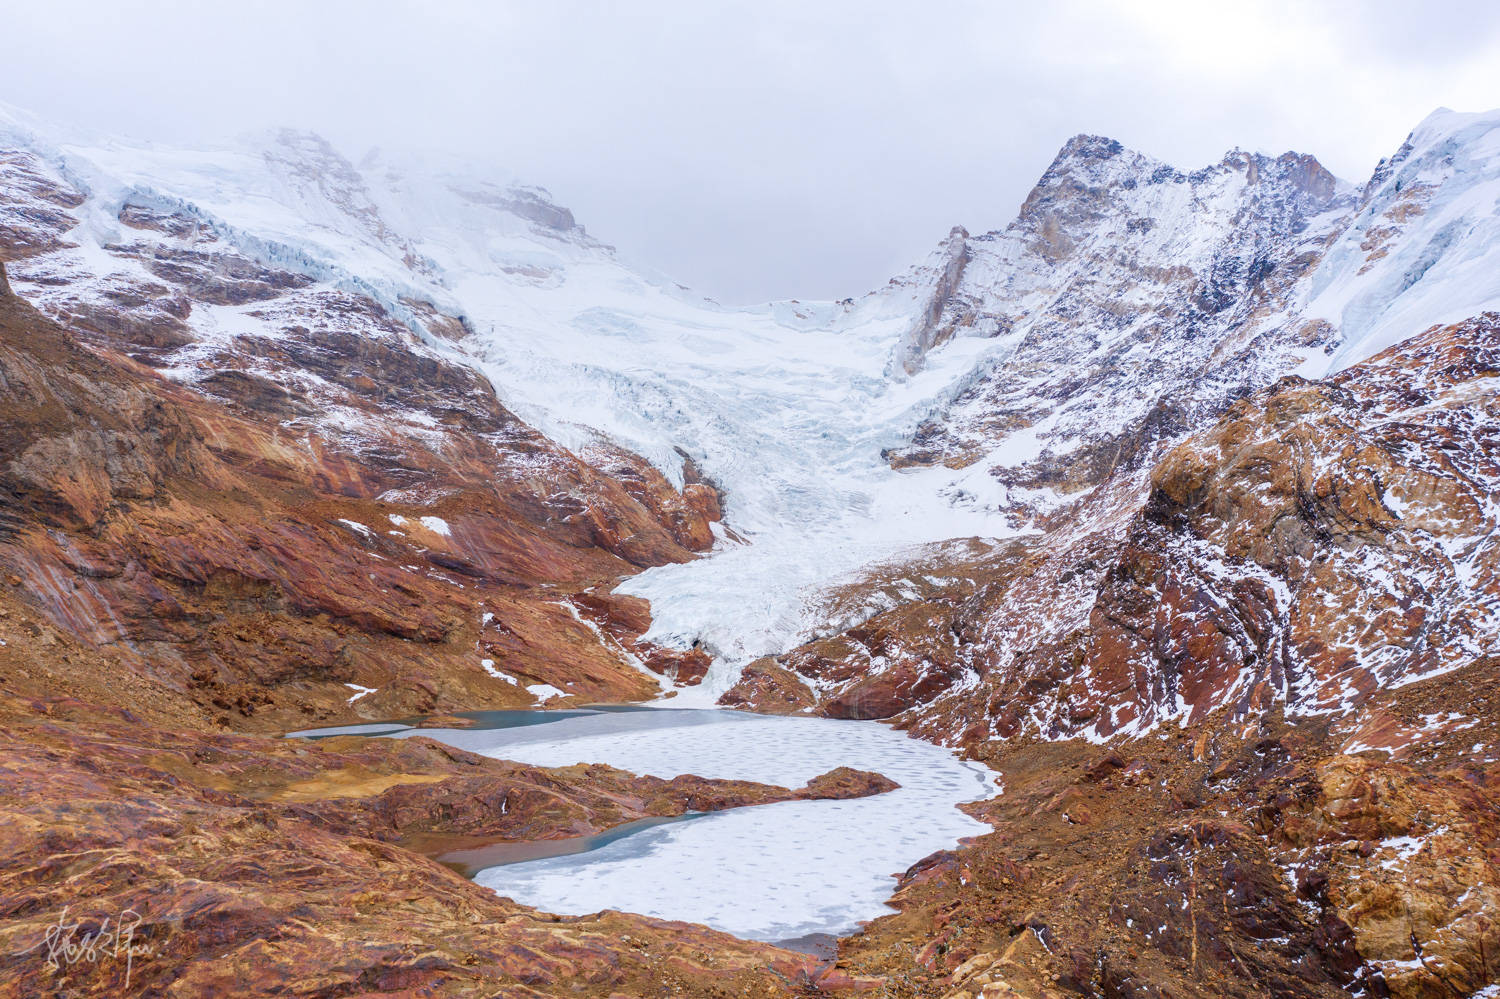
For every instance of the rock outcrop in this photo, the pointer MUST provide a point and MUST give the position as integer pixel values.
(1209, 861)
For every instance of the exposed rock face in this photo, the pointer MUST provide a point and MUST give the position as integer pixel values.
(1322, 542)
(37, 213)
(1401, 856)
(1326, 540)
(930, 331)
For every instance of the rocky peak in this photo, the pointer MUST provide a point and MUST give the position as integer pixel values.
(1116, 262)
(312, 148)
(928, 331)
(1084, 169)
(1082, 149)
(1298, 172)
(1095, 186)
(535, 204)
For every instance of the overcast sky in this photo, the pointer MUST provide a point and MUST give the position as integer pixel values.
(765, 149)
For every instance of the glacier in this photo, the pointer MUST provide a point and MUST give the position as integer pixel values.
(790, 407)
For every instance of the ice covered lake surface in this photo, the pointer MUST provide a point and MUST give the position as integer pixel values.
(767, 872)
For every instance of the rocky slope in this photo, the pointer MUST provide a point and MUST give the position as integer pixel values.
(1283, 623)
(242, 866)
(1290, 651)
(1323, 541)
(1199, 465)
(1187, 574)
(1213, 860)
(320, 509)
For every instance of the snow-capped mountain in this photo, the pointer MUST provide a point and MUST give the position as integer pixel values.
(1420, 248)
(1165, 298)
(990, 387)
(1125, 293)
(789, 405)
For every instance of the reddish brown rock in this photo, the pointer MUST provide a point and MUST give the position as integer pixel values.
(1158, 893)
(767, 687)
(257, 574)
(1319, 542)
(1408, 861)
(846, 782)
(251, 866)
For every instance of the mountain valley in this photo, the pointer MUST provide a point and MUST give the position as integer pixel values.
(1174, 505)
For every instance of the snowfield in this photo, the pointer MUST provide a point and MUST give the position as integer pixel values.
(1433, 218)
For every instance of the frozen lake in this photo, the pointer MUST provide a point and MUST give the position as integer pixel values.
(767, 872)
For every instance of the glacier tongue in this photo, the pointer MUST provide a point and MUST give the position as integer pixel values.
(790, 422)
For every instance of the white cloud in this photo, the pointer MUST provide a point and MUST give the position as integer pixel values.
(767, 149)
